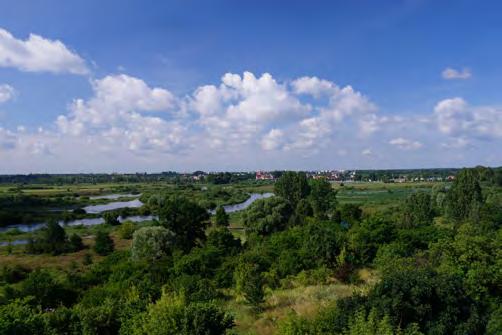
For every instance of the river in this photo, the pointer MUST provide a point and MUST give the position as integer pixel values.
(96, 209)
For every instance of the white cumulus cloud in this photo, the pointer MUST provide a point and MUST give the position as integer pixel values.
(455, 117)
(113, 116)
(38, 54)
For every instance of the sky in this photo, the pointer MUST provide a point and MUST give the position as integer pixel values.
(151, 86)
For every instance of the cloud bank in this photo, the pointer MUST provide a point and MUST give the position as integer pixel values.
(247, 122)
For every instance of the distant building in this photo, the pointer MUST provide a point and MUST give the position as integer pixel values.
(261, 175)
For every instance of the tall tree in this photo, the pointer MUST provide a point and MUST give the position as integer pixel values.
(323, 198)
(54, 238)
(221, 217)
(418, 210)
(266, 216)
(186, 219)
(464, 198)
(292, 186)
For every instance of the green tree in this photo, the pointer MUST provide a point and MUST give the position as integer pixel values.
(103, 243)
(221, 217)
(224, 241)
(266, 216)
(292, 186)
(323, 198)
(418, 210)
(19, 318)
(151, 243)
(366, 237)
(186, 219)
(464, 198)
(54, 238)
(350, 213)
(111, 218)
(46, 289)
(304, 208)
(249, 281)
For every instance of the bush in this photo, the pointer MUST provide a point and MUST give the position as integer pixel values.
(76, 243)
(46, 289)
(111, 218)
(171, 316)
(103, 243)
(126, 230)
(152, 243)
(13, 274)
(19, 317)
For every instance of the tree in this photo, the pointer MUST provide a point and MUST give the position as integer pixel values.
(224, 241)
(292, 186)
(418, 210)
(151, 243)
(46, 289)
(186, 219)
(18, 317)
(304, 208)
(266, 216)
(221, 218)
(323, 198)
(103, 244)
(249, 281)
(464, 198)
(366, 237)
(54, 238)
(350, 213)
(111, 218)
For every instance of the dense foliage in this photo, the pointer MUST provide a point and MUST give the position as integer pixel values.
(436, 255)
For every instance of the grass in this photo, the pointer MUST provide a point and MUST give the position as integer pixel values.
(301, 300)
(60, 262)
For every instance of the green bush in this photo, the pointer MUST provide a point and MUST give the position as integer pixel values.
(152, 243)
(172, 316)
(103, 244)
(126, 230)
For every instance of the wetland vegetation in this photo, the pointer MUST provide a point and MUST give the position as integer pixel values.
(313, 258)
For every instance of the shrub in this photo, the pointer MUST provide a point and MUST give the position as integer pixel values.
(19, 318)
(171, 316)
(126, 230)
(76, 242)
(151, 243)
(103, 243)
(111, 218)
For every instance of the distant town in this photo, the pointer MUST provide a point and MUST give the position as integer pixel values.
(382, 176)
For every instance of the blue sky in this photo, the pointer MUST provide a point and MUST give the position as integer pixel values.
(243, 85)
